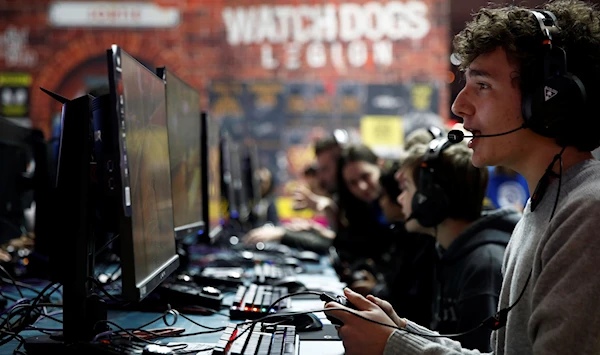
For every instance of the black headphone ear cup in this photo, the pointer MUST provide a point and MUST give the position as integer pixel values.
(547, 108)
(430, 207)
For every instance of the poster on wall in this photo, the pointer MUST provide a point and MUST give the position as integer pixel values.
(349, 103)
(424, 107)
(264, 105)
(226, 106)
(424, 97)
(14, 96)
(308, 103)
(387, 100)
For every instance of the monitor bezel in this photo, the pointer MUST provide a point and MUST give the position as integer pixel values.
(131, 289)
(194, 227)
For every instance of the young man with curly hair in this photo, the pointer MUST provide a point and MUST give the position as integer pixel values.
(537, 78)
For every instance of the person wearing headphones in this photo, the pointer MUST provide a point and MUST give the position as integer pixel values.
(407, 279)
(443, 194)
(529, 101)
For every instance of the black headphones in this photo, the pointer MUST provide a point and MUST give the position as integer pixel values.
(546, 107)
(430, 204)
(435, 132)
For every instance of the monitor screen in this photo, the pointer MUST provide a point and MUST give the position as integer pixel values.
(15, 163)
(252, 175)
(148, 252)
(230, 208)
(238, 181)
(215, 209)
(183, 121)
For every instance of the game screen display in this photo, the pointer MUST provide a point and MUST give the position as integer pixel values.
(183, 119)
(215, 206)
(147, 169)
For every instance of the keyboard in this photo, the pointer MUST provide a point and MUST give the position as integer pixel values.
(267, 273)
(259, 339)
(251, 302)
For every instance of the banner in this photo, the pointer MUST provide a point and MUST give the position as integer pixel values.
(14, 94)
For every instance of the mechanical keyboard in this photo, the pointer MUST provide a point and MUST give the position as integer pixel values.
(258, 339)
(251, 302)
(266, 273)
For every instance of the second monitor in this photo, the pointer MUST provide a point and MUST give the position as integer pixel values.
(184, 130)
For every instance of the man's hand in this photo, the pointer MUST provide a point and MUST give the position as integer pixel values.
(306, 199)
(264, 234)
(4, 256)
(300, 225)
(389, 310)
(361, 336)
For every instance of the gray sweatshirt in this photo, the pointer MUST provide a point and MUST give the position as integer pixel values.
(560, 309)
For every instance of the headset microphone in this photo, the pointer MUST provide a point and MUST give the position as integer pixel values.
(456, 136)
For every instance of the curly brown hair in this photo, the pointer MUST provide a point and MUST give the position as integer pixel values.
(516, 30)
(464, 184)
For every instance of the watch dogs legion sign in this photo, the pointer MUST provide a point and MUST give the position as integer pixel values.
(342, 35)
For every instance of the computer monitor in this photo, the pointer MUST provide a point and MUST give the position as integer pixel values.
(239, 182)
(251, 174)
(185, 152)
(231, 207)
(212, 174)
(139, 117)
(15, 161)
(114, 145)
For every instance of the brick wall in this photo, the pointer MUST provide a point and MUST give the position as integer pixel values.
(198, 50)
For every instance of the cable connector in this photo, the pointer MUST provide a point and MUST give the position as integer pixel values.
(496, 321)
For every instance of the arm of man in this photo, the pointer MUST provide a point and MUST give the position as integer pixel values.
(565, 312)
(363, 337)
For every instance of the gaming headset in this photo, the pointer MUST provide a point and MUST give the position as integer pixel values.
(547, 106)
(430, 204)
(435, 132)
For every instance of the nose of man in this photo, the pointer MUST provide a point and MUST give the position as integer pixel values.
(460, 106)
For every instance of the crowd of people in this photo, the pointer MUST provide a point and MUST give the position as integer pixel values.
(428, 244)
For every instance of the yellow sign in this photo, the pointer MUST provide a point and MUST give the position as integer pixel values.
(382, 131)
(14, 94)
(15, 79)
(286, 211)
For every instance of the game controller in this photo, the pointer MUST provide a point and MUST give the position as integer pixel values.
(326, 297)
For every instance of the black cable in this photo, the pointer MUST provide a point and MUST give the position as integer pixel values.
(100, 287)
(135, 336)
(20, 284)
(37, 299)
(14, 282)
(198, 324)
(101, 249)
(37, 306)
(157, 335)
(560, 171)
(12, 336)
(8, 297)
(174, 313)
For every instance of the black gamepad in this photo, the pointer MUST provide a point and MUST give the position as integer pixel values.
(339, 299)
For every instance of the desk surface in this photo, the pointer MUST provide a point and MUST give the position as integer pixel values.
(130, 319)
